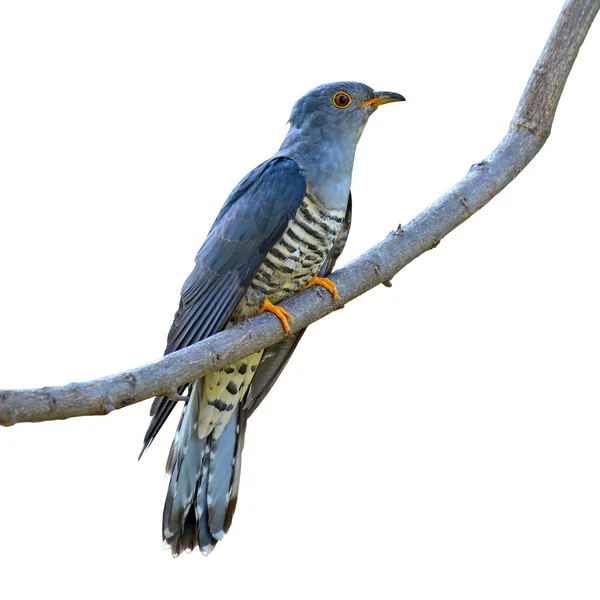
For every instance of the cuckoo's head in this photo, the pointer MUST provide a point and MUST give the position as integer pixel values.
(338, 109)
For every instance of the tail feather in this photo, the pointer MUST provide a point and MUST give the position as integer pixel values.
(237, 467)
(185, 465)
(206, 542)
(222, 460)
(187, 541)
(204, 483)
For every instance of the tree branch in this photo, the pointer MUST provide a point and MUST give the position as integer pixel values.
(528, 132)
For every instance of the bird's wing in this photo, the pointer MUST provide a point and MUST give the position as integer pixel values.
(251, 221)
(276, 357)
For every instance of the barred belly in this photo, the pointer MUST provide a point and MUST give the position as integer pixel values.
(287, 268)
(297, 257)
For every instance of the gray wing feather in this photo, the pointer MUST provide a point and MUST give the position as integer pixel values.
(251, 221)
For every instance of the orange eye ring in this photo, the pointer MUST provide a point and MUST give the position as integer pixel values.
(342, 100)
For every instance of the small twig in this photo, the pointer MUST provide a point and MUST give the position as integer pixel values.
(177, 397)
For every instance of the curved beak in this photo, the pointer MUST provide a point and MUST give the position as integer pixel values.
(383, 98)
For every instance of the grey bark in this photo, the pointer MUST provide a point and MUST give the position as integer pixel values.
(527, 133)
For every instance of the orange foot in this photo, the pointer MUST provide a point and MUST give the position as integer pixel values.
(282, 314)
(326, 283)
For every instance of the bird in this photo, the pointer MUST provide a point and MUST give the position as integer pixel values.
(280, 230)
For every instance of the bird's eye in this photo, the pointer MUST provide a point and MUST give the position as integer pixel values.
(342, 100)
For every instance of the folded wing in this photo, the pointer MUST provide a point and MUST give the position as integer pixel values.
(251, 221)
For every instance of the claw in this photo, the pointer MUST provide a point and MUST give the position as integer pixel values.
(282, 314)
(326, 283)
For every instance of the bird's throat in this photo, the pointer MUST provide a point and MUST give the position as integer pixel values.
(327, 163)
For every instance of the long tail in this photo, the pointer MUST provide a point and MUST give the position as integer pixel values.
(205, 477)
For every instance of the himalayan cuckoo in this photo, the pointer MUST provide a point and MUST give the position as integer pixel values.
(280, 231)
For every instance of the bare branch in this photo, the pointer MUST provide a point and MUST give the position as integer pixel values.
(528, 132)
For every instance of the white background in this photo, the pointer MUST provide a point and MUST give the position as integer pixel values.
(436, 440)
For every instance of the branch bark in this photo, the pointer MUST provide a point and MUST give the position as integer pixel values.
(528, 131)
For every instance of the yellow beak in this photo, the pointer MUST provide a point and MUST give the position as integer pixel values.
(383, 98)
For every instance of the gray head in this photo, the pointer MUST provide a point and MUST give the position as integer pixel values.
(339, 109)
(325, 127)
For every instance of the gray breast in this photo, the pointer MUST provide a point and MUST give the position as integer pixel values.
(298, 255)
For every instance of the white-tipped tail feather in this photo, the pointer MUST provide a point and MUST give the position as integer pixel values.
(204, 478)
